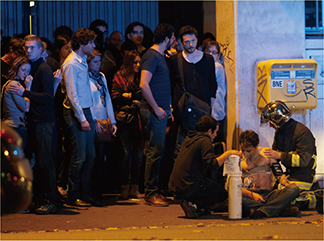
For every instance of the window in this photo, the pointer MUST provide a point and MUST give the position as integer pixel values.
(314, 17)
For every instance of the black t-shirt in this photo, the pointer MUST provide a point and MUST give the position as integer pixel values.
(155, 63)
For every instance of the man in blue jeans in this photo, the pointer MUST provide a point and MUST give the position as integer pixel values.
(155, 109)
(79, 119)
(259, 200)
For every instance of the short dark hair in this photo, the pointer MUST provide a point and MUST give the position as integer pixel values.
(63, 30)
(49, 44)
(121, 34)
(162, 31)
(82, 37)
(208, 35)
(187, 30)
(16, 44)
(98, 22)
(205, 123)
(59, 42)
(249, 139)
(131, 26)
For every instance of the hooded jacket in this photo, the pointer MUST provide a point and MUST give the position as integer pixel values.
(196, 156)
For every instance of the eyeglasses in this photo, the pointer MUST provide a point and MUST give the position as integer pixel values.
(212, 52)
(136, 62)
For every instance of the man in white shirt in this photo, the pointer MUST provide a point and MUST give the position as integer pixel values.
(78, 117)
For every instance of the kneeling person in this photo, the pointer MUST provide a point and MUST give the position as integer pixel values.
(189, 179)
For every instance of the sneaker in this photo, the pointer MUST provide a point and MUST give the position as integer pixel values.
(31, 209)
(156, 201)
(190, 209)
(47, 208)
(291, 212)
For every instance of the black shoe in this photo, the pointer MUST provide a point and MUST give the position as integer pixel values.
(47, 208)
(31, 209)
(220, 207)
(93, 202)
(190, 209)
(79, 203)
(257, 214)
(290, 212)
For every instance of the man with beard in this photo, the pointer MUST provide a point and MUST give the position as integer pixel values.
(155, 109)
(198, 73)
(112, 58)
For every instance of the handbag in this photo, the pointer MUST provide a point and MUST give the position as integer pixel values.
(106, 133)
(189, 108)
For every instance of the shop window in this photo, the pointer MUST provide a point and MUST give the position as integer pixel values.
(314, 17)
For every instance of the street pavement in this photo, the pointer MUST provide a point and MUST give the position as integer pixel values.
(133, 220)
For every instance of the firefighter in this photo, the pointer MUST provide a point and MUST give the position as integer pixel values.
(293, 147)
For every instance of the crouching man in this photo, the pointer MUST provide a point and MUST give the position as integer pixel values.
(189, 179)
(259, 200)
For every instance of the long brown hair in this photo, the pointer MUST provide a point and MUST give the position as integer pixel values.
(19, 61)
(127, 67)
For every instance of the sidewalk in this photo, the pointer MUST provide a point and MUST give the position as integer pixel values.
(134, 214)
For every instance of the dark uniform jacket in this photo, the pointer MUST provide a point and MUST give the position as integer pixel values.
(298, 152)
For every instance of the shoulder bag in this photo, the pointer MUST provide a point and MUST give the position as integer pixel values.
(189, 108)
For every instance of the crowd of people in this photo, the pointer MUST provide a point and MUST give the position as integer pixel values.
(57, 95)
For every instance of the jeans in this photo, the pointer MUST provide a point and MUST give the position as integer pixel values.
(23, 135)
(82, 155)
(44, 170)
(155, 130)
(131, 154)
(181, 135)
(99, 171)
(275, 201)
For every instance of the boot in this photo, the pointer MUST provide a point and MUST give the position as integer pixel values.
(134, 191)
(124, 192)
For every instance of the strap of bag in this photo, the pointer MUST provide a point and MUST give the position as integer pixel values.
(180, 66)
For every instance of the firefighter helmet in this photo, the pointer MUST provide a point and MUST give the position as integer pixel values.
(276, 112)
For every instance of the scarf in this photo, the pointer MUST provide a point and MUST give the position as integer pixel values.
(96, 76)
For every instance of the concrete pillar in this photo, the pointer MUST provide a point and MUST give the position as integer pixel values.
(251, 31)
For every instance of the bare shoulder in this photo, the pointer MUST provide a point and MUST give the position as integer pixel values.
(263, 157)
